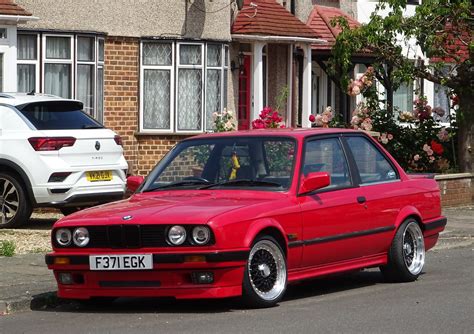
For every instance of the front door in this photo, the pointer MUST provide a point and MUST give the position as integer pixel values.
(244, 95)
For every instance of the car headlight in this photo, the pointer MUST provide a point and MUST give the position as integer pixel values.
(63, 237)
(81, 237)
(177, 235)
(201, 235)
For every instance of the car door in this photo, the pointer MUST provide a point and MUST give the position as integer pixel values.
(380, 190)
(333, 214)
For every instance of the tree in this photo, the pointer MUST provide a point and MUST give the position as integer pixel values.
(442, 32)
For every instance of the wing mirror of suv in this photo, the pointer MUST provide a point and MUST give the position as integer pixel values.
(133, 182)
(314, 181)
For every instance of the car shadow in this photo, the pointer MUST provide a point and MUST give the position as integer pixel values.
(303, 290)
(38, 224)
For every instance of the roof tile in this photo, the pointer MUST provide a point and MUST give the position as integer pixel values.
(8, 7)
(269, 19)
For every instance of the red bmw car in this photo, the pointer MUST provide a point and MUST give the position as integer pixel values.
(246, 214)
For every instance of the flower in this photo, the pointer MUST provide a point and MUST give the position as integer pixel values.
(223, 121)
(437, 147)
(390, 136)
(268, 118)
(312, 118)
(432, 159)
(443, 135)
(416, 157)
(322, 119)
(355, 90)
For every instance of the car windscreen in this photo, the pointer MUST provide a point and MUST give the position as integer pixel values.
(58, 115)
(264, 163)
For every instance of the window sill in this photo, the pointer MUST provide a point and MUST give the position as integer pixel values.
(183, 134)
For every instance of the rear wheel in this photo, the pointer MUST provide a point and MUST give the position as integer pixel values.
(15, 207)
(407, 254)
(265, 275)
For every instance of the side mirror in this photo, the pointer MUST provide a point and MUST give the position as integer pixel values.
(314, 181)
(133, 182)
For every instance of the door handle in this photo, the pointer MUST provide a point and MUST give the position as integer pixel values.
(361, 199)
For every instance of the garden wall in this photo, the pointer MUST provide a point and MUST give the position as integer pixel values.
(456, 189)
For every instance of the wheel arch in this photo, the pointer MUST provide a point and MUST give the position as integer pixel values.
(13, 168)
(409, 212)
(266, 227)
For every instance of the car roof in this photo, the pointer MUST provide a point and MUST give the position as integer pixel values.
(285, 132)
(16, 99)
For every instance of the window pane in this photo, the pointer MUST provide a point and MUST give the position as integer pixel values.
(441, 103)
(189, 99)
(213, 96)
(58, 47)
(100, 95)
(57, 80)
(403, 98)
(26, 77)
(226, 55)
(101, 50)
(85, 49)
(190, 54)
(214, 55)
(372, 165)
(326, 155)
(225, 89)
(27, 47)
(156, 99)
(85, 87)
(1, 72)
(157, 54)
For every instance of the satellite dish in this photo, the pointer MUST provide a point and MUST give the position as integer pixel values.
(240, 4)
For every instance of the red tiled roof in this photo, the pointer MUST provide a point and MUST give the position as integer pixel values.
(456, 44)
(271, 19)
(8, 7)
(320, 22)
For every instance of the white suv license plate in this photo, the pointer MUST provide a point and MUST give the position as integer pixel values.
(121, 262)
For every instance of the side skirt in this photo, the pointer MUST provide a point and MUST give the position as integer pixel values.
(339, 267)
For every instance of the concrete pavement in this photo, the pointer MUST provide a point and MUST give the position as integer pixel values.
(26, 283)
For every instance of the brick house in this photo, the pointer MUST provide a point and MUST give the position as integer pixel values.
(155, 70)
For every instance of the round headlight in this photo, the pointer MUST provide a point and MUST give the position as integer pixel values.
(177, 235)
(63, 236)
(201, 235)
(81, 237)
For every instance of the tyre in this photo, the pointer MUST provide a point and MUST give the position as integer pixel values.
(265, 275)
(406, 256)
(15, 206)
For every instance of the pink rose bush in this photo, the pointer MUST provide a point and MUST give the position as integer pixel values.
(361, 118)
(358, 86)
(224, 121)
(322, 119)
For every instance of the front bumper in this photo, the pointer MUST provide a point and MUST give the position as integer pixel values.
(171, 276)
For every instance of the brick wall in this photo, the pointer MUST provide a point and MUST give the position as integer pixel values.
(121, 84)
(456, 189)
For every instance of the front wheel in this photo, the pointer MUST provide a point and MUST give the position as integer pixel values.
(15, 207)
(407, 254)
(265, 275)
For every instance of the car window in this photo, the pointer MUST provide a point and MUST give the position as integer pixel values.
(327, 155)
(371, 163)
(58, 115)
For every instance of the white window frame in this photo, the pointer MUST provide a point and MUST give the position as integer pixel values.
(69, 61)
(94, 71)
(194, 67)
(100, 65)
(171, 68)
(222, 69)
(36, 62)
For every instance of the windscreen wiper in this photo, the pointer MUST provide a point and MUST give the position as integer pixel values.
(182, 183)
(243, 182)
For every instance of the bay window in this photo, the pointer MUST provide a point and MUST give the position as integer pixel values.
(71, 66)
(182, 85)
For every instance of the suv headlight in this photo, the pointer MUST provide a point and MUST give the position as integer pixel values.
(201, 235)
(63, 237)
(81, 237)
(177, 235)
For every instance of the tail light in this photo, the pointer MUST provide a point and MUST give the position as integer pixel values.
(118, 140)
(51, 143)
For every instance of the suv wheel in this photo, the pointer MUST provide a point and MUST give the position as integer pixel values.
(15, 207)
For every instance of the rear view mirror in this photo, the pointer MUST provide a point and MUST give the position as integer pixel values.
(133, 182)
(314, 181)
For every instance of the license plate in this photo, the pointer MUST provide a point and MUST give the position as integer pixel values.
(121, 262)
(102, 175)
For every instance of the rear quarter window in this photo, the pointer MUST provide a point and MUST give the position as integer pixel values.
(58, 115)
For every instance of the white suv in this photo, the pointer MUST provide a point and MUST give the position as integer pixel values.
(52, 154)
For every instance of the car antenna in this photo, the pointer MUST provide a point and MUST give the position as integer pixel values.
(32, 92)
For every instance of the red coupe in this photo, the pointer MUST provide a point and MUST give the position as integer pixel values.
(246, 214)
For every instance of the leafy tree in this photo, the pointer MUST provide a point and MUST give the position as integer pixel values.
(442, 30)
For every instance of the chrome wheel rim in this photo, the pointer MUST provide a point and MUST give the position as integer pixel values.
(9, 201)
(413, 248)
(267, 270)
